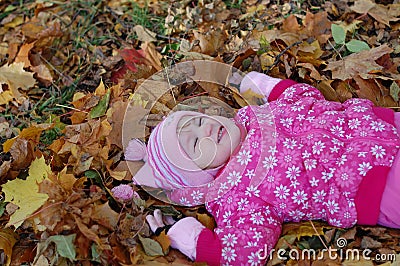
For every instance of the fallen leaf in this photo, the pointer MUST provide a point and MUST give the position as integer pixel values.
(144, 35)
(23, 54)
(64, 245)
(8, 238)
(151, 247)
(22, 153)
(101, 108)
(369, 242)
(164, 242)
(6, 97)
(358, 63)
(30, 133)
(105, 216)
(377, 11)
(43, 74)
(117, 111)
(394, 91)
(210, 42)
(152, 55)
(206, 220)
(31, 199)
(16, 77)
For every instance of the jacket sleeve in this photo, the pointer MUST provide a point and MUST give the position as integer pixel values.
(242, 239)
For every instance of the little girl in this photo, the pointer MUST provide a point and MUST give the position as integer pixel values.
(297, 157)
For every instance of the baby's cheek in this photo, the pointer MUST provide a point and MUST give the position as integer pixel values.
(208, 151)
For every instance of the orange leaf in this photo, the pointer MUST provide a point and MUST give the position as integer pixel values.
(206, 220)
(23, 54)
(164, 241)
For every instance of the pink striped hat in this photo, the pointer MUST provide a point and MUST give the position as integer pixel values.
(166, 165)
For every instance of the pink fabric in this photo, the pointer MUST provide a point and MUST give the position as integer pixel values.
(323, 152)
(184, 235)
(385, 114)
(280, 88)
(389, 211)
(258, 83)
(208, 248)
(369, 195)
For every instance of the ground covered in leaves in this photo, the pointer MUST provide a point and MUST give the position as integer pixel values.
(68, 70)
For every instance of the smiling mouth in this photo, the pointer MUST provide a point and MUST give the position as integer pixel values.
(220, 131)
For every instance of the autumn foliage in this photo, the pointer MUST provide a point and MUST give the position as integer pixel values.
(68, 70)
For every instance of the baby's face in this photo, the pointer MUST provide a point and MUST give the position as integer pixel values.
(208, 140)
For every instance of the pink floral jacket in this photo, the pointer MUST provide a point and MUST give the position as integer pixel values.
(330, 161)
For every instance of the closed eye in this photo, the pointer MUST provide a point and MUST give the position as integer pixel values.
(195, 143)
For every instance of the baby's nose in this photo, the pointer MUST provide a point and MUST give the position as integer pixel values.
(206, 130)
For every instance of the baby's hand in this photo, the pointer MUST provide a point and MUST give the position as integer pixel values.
(183, 234)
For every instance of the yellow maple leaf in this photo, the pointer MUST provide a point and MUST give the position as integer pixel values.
(25, 193)
(16, 77)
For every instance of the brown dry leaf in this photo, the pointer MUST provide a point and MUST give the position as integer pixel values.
(310, 53)
(152, 55)
(48, 220)
(105, 216)
(358, 63)
(358, 262)
(377, 11)
(144, 35)
(31, 133)
(326, 89)
(210, 42)
(32, 28)
(290, 24)
(54, 30)
(86, 231)
(313, 72)
(118, 175)
(4, 168)
(318, 26)
(367, 90)
(43, 74)
(22, 153)
(304, 229)
(117, 111)
(23, 54)
(16, 78)
(8, 238)
(6, 97)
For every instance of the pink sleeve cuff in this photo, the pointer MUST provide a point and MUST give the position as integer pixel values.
(369, 195)
(280, 88)
(208, 248)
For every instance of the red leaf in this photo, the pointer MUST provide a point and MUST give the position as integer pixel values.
(132, 57)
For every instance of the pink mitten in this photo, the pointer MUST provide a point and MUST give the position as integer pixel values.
(258, 83)
(183, 234)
